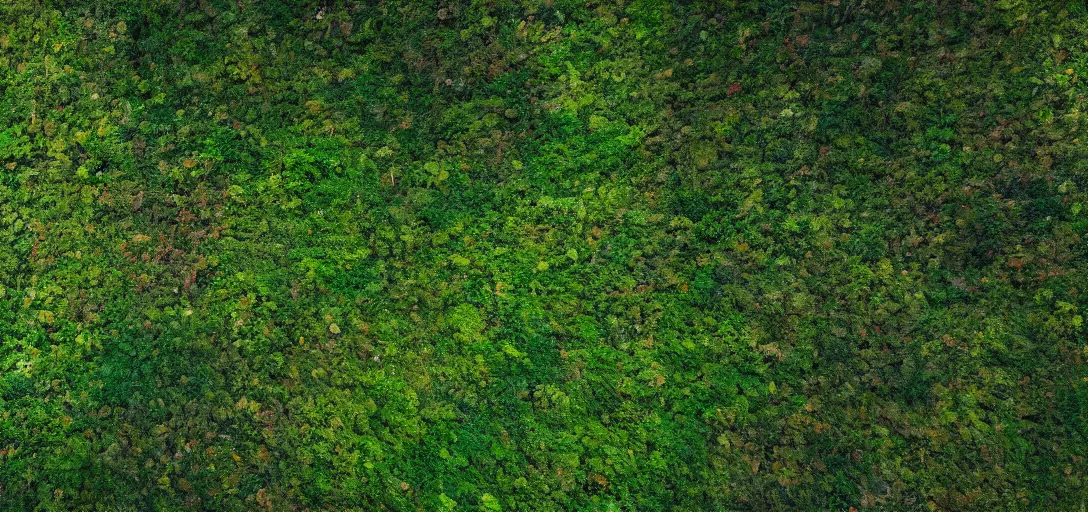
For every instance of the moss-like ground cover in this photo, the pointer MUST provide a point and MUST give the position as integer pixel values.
(543, 255)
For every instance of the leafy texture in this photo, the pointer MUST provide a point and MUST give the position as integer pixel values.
(543, 255)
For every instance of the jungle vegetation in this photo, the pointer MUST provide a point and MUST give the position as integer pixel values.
(502, 255)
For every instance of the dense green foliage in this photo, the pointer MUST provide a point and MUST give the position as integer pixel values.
(543, 255)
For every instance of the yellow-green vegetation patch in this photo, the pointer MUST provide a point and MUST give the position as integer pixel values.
(543, 255)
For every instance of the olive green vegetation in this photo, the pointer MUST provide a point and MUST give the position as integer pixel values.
(547, 255)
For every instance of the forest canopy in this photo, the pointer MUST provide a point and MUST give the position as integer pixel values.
(543, 255)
